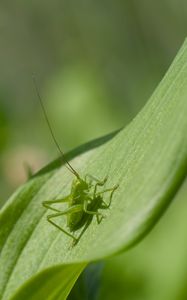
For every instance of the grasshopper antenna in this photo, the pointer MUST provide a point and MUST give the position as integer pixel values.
(68, 166)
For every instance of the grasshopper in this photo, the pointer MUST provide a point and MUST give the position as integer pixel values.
(84, 199)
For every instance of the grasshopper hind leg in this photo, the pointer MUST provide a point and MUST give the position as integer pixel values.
(77, 239)
(73, 209)
(59, 227)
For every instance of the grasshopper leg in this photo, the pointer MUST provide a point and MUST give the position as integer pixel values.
(90, 212)
(99, 183)
(73, 209)
(93, 178)
(112, 190)
(99, 218)
(75, 241)
(47, 204)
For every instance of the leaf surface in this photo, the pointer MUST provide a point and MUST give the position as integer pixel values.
(148, 159)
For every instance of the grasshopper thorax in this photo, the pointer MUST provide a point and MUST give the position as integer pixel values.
(79, 188)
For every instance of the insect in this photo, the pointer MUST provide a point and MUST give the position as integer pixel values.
(84, 200)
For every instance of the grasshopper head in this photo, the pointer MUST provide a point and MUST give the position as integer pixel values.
(79, 186)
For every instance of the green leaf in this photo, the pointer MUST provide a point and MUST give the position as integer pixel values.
(35, 289)
(149, 161)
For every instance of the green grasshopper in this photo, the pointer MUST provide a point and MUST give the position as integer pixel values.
(84, 199)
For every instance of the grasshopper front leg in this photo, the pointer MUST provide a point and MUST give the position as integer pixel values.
(99, 183)
(112, 190)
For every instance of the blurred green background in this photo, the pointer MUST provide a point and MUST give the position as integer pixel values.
(96, 63)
